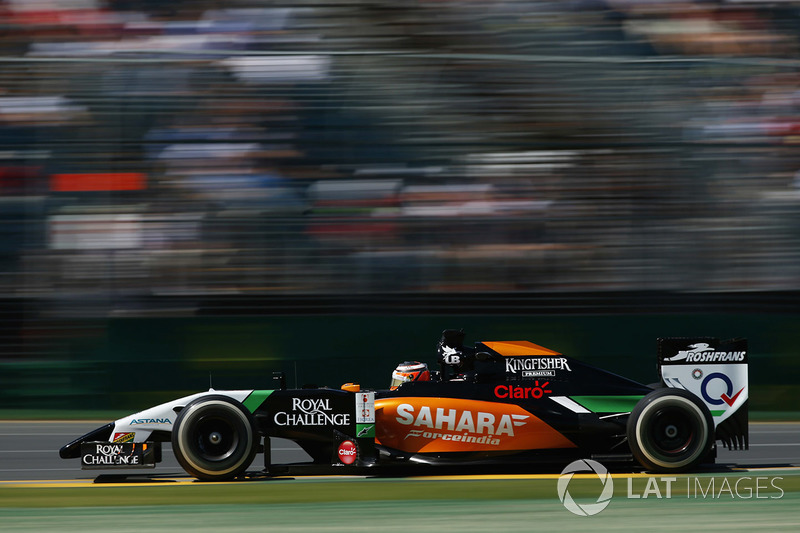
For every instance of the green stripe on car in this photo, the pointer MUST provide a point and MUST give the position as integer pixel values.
(255, 399)
(608, 404)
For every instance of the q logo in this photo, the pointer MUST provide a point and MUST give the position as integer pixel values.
(725, 397)
(586, 509)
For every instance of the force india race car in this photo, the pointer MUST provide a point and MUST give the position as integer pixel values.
(497, 404)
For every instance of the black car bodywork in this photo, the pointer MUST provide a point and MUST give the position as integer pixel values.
(496, 404)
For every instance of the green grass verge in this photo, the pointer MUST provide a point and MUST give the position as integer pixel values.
(383, 489)
(420, 516)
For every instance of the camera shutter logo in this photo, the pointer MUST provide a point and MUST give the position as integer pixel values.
(585, 509)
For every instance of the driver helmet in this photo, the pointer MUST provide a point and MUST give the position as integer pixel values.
(409, 371)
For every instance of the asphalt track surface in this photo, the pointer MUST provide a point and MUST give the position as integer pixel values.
(29, 451)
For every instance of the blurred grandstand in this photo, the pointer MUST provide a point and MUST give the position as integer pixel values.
(157, 155)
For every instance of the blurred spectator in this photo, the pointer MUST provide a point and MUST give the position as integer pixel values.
(174, 146)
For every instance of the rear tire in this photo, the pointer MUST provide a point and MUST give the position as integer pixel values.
(213, 438)
(670, 430)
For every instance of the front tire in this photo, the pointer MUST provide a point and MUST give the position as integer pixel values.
(213, 438)
(670, 430)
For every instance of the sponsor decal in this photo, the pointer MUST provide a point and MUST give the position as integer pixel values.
(113, 455)
(702, 352)
(451, 425)
(465, 438)
(136, 421)
(365, 431)
(311, 412)
(538, 373)
(535, 364)
(468, 422)
(721, 386)
(726, 397)
(365, 408)
(510, 391)
(123, 437)
(450, 356)
(347, 452)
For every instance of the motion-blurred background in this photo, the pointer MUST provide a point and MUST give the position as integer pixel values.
(230, 188)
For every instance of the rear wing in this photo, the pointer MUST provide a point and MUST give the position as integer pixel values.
(716, 372)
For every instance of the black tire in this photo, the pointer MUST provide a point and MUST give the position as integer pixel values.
(670, 430)
(213, 438)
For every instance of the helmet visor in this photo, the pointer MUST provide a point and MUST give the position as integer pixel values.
(398, 378)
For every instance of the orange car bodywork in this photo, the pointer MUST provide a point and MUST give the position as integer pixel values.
(431, 425)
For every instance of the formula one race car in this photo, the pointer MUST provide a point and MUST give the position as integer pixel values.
(494, 404)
